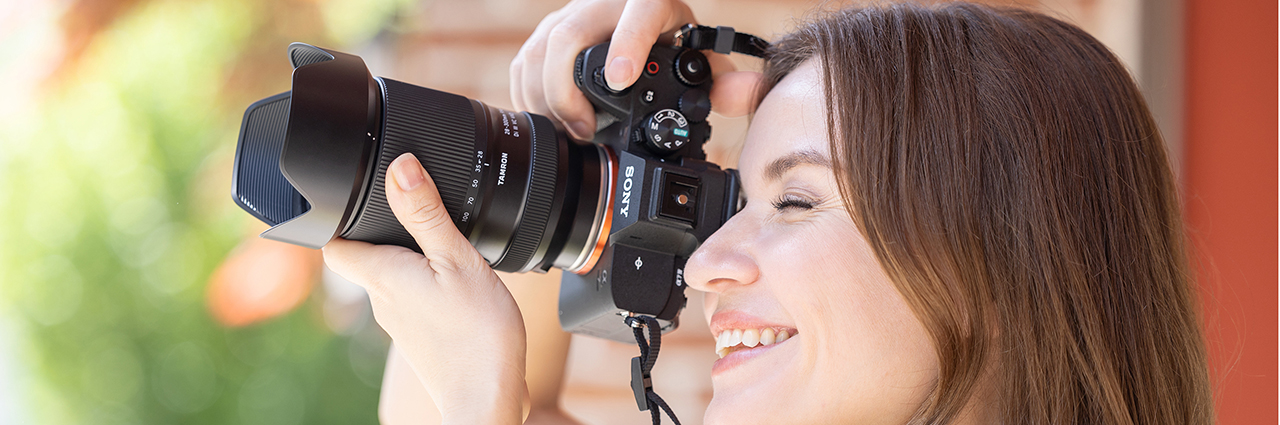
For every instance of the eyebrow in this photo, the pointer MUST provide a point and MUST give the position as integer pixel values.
(780, 166)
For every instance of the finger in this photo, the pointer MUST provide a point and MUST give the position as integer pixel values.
(536, 41)
(531, 90)
(414, 199)
(641, 23)
(735, 94)
(514, 74)
(369, 265)
(590, 27)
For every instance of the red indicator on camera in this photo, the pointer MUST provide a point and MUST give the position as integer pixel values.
(651, 68)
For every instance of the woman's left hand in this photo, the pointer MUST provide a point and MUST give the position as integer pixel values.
(446, 310)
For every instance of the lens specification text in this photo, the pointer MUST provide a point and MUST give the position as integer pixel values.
(509, 125)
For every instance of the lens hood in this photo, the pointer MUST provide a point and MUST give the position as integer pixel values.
(327, 149)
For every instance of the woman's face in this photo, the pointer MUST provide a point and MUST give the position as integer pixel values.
(792, 260)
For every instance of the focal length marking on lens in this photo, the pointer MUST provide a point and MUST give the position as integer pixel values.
(475, 197)
(473, 191)
(510, 126)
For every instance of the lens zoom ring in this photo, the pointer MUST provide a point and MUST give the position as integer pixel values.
(439, 128)
(542, 190)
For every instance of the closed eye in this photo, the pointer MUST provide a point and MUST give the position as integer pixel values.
(787, 202)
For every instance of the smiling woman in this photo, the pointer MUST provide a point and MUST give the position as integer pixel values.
(793, 261)
(999, 238)
(956, 214)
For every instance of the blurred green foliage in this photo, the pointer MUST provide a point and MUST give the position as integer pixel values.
(114, 194)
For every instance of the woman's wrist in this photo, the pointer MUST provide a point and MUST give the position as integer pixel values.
(484, 387)
(489, 402)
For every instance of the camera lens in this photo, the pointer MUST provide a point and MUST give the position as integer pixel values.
(525, 195)
(522, 193)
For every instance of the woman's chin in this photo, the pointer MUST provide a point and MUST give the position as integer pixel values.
(729, 409)
(752, 385)
(733, 410)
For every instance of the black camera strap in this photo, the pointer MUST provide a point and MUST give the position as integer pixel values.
(641, 382)
(720, 40)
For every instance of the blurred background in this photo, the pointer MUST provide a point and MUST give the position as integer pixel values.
(133, 290)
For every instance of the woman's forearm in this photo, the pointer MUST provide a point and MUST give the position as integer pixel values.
(404, 400)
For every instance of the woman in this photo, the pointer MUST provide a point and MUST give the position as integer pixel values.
(957, 214)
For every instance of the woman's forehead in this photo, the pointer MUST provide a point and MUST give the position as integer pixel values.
(790, 119)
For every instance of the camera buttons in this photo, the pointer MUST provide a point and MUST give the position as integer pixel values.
(695, 104)
(651, 68)
(598, 76)
(692, 67)
(647, 97)
(666, 131)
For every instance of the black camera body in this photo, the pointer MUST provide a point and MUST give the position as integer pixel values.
(620, 214)
(667, 199)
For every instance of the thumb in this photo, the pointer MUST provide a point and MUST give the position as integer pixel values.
(416, 202)
(735, 93)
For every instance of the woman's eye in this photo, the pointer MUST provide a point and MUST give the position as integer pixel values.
(788, 202)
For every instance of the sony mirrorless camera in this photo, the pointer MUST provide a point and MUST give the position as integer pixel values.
(620, 214)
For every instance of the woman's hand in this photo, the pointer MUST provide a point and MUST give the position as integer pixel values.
(542, 73)
(447, 311)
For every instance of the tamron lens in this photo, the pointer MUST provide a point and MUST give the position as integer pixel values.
(621, 213)
(312, 163)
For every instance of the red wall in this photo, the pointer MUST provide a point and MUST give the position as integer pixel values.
(1230, 175)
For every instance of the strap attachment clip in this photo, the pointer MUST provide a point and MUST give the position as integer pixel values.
(721, 39)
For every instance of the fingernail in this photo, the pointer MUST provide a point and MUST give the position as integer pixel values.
(408, 172)
(582, 130)
(618, 73)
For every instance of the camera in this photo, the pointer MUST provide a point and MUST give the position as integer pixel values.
(620, 214)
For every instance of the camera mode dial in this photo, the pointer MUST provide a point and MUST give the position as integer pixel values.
(666, 131)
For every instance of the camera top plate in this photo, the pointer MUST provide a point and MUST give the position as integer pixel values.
(664, 112)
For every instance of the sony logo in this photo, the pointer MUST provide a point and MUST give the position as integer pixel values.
(502, 170)
(626, 191)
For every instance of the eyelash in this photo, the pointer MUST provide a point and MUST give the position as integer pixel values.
(792, 201)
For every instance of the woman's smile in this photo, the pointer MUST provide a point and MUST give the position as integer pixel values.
(741, 337)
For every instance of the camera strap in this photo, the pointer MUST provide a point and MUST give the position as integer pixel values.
(720, 40)
(641, 382)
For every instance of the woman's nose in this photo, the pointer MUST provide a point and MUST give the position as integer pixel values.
(725, 259)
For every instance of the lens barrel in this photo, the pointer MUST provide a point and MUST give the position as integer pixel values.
(497, 173)
(526, 196)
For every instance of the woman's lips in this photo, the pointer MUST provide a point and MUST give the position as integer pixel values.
(736, 319)
(741, 337)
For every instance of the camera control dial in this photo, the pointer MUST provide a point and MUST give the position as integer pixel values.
(666, 131)
(692, 67)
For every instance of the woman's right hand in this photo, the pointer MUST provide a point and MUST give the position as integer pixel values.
(542, 72)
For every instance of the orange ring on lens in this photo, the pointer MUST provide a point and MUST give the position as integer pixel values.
(602, 238)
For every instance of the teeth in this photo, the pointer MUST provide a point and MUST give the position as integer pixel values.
(766, 337)
(750, 338)
(729, 340)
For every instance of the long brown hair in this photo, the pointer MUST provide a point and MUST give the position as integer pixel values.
(1007, 173)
